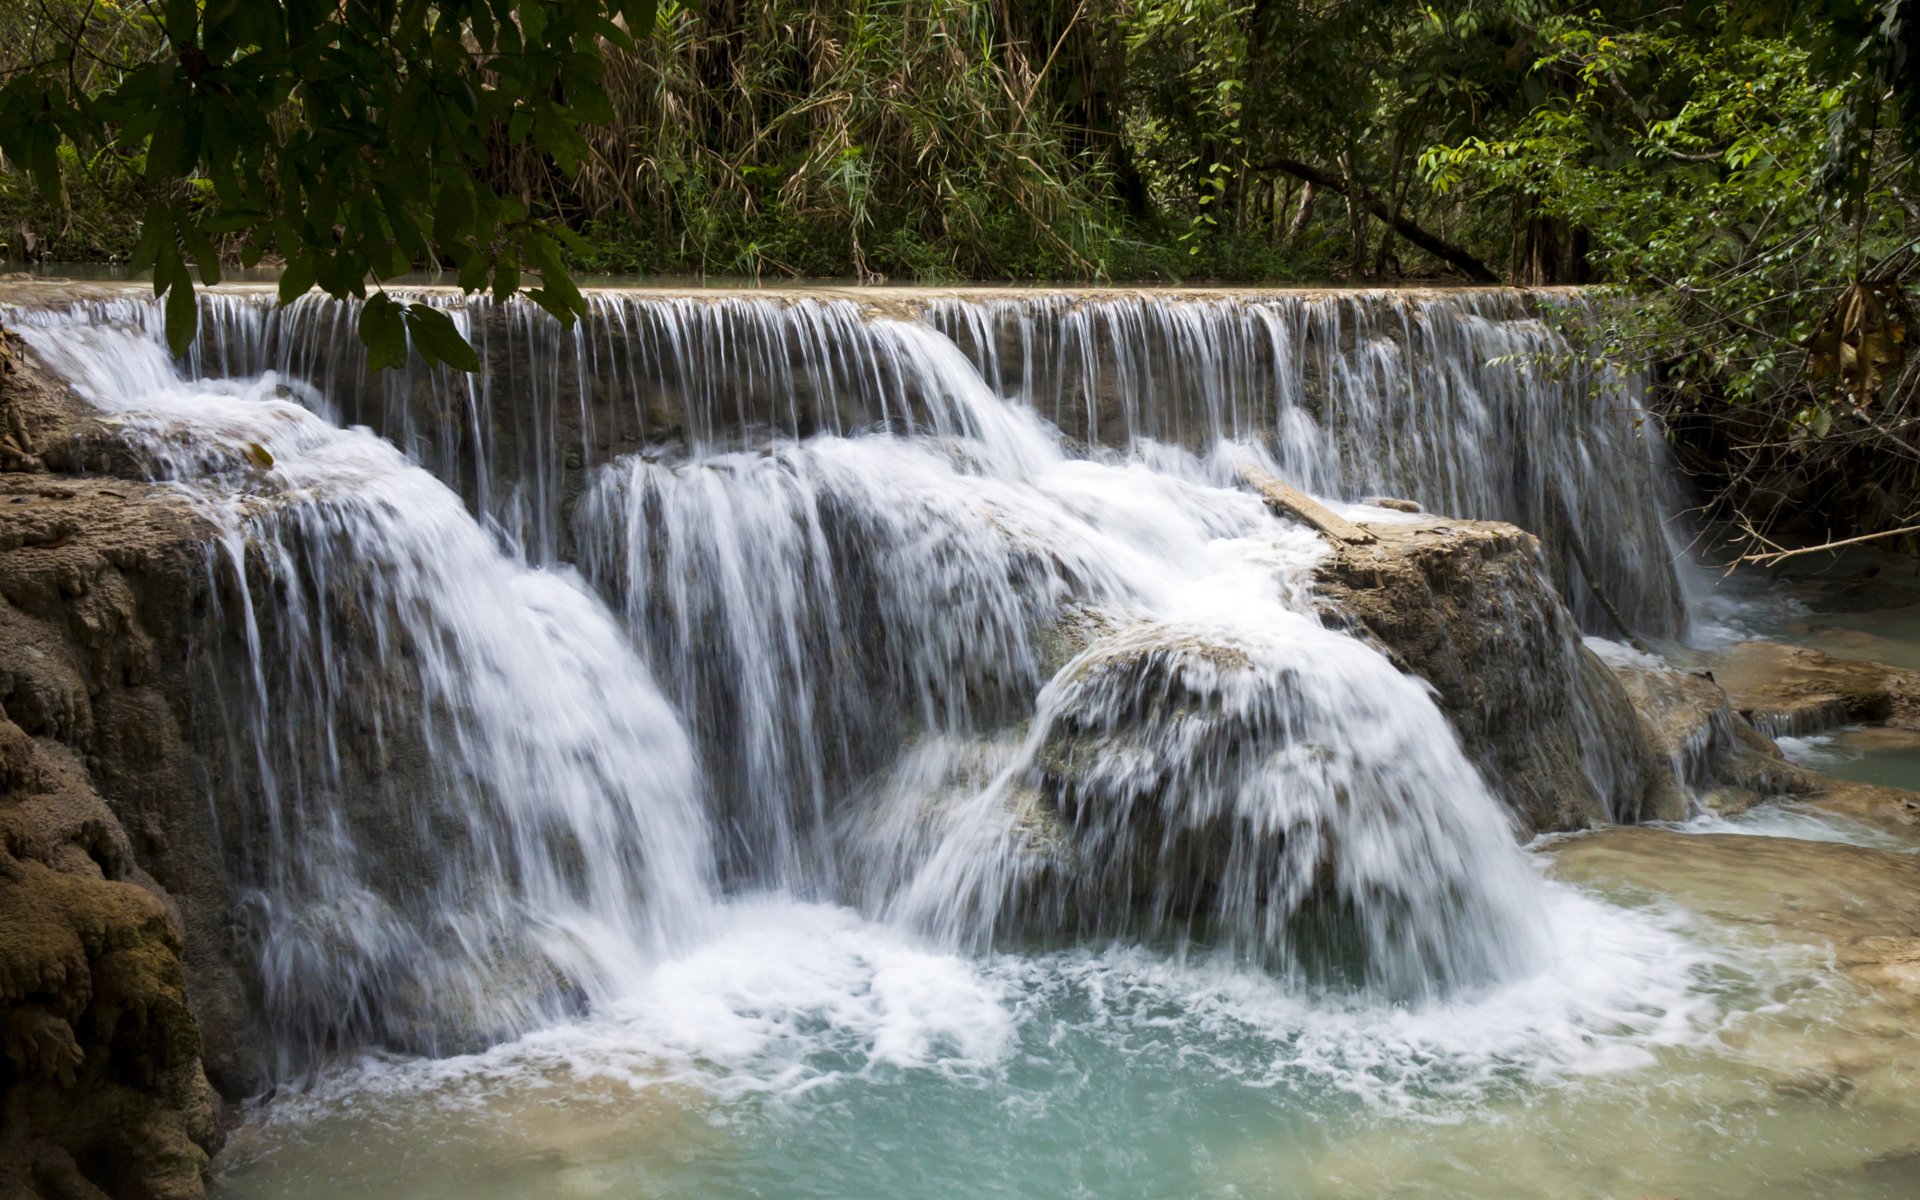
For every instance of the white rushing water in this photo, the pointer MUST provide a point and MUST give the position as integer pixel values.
(936, 767)
(1473, 403)
(528, 821)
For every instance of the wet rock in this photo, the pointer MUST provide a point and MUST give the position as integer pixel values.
(1896, 1167)
(101, 1085)
(1858, 903)
(1470, 607)
(1210, 784)
(114, 907)
(1890, 810)
(104, 598)
(1797, 690)
(1716, 755)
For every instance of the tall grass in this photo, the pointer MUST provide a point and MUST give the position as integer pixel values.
(904, 138)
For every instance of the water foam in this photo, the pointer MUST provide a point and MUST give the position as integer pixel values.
(799, 1003)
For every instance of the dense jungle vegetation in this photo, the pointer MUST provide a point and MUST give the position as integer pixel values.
(1721, 171)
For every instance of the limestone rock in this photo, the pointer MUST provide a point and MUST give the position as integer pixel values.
(101, 1084)
(1201, 785)
(1470, 607)
(113, 901)
(1797, 690)
(1862, 903)
(1889, 810)
(1715, 754)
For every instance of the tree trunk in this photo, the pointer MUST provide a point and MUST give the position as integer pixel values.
(1300, 215)
(1454, 256)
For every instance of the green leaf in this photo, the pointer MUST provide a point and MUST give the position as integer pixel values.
(473, 272)
(302, 272)
(43, 161)
(438, 340)
(533, 20)
(166, 263)
(183, 315)
(452, 211)
(639, 15)
(148, 247)
(506, 280)
(383, 332)
(204, 255)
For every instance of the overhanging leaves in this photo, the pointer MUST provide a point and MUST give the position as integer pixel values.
(1861, 340)
(350, 140)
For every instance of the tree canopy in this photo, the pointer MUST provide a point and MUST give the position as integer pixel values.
(350, 140)
(1743, 170)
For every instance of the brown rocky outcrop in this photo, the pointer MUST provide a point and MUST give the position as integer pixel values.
(112, 898)
(1469, 607)
(1716, 755)
(1799, 690)
(101, 1087)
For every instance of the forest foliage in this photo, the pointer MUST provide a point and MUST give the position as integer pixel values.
(1720, 171)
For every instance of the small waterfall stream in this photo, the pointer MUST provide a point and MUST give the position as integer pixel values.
(763, 695)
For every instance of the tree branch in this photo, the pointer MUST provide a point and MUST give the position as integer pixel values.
(1768, 558)
(1455, 257)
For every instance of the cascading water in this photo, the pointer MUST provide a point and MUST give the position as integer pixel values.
(891, 731)
(1472, 403)
(466, 798)
(858, 592)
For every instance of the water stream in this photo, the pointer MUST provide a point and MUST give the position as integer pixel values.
(754, 747)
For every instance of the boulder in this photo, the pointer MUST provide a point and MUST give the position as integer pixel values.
(1470, 607)
(1717, 757)
(1285, 797)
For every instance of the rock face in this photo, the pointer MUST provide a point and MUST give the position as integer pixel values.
(1715, 754)
(1796, 690)
(1469, 607)
(101, 1088)
(112, 898)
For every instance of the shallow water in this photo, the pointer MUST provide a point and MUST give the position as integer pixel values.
(1797, 822)
(1880, 756)
(807, 1052)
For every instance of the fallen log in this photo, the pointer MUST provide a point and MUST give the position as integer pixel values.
(1291, 502)
(1592, 577)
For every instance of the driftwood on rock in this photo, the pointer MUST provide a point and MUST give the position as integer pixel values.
(1291, 502)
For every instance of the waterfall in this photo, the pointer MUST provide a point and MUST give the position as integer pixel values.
(943, 609)
(865, 592)
(468, 807)
(1472, 403)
